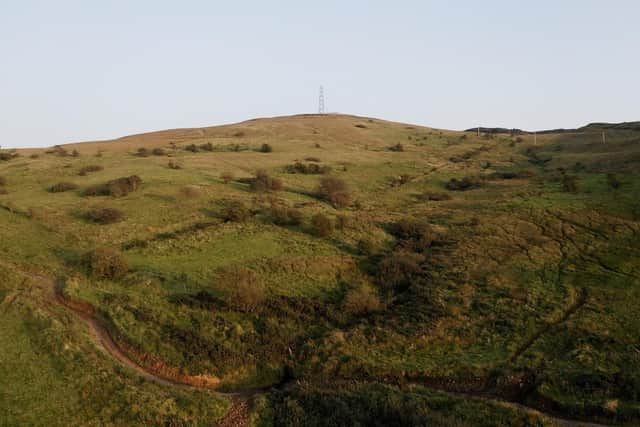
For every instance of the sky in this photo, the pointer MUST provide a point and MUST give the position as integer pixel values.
(86, 70)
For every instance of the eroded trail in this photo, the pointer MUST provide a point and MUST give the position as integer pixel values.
(238, 414)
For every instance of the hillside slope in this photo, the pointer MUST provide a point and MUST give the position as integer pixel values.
(326, 269)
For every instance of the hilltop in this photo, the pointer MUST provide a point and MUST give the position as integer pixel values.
(319, 269)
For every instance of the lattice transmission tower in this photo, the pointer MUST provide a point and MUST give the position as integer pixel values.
(321, 109)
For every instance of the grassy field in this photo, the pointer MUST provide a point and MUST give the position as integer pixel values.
(454, 273)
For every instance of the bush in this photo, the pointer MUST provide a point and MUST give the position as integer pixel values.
(90, 168)
(192, 148)
(435, 197)
(266, 148)
(190, 191)
(570, 183)
(106, 264)
(464, 184)
(321, 225)
(366, 247)
(105, 215)
(143, 152)
(613, 181)
(309, 169)
(362, 300)
(236, 212)
(206, 147)
(397, 270)
(242, 288)
(8, 155)
(285, 216)
(334, 191)
(312, 159)
(62, 187)
(414, 235)
(263, 182)
(75, 153)
(227, 177)
(397, 148)
(158, 152)
(342, 221)
(174, 165)
(116, 188)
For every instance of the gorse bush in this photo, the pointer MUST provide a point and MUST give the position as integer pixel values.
(191, 147)
(366, 247)
(397, 148)
(206, 147)
(227, 177)
(334, 191)
(361, 300)
(236, 212)
(570, 183)
(90, 168)
(243, 290)
(116, 188)
(413, 235)
(105, 215)
(158, 152)
(143, 152)
(266, 148)
(321, 225)
(464, 184)
(397, 269)
(264, 182)
(62, 187)
(285, 216)
(106, 264)
(613, 181)
(307, 169)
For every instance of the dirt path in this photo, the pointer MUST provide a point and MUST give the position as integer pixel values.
(238, 414)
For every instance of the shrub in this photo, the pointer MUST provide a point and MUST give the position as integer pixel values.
(90, 168)
(34, 156)
(62, 187)
(158, 152)
(242, 288)
(174, 165)
(397, 270)
(235, 212)
(414, 235)
(285, 216)
(143, 152)
(464, 184)
(570, 183)
(397, 147)
(263, 182)
(366, 247)
(266, 148)
(75, 153)
(613, 181)
(312, 159)
(190, 191)
(342, 221)
(6, 156)
(192, 148)
(227, 177)
(105, 215)
(334, 191)
(309, 169)
(117, 187)
(362, 300)
(206, 147)
(321, 225)
(106, 264)
(435, 197)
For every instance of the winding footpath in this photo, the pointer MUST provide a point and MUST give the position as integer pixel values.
(240, 407)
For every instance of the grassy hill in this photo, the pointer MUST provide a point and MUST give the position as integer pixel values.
(322, 269)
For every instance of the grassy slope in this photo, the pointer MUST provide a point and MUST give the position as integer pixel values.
(520, 253)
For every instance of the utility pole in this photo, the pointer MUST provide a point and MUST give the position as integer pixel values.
(535, 138)
(321, 109)
(478, 131)
(604, 138)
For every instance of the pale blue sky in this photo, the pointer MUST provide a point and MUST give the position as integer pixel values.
(84, 70)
